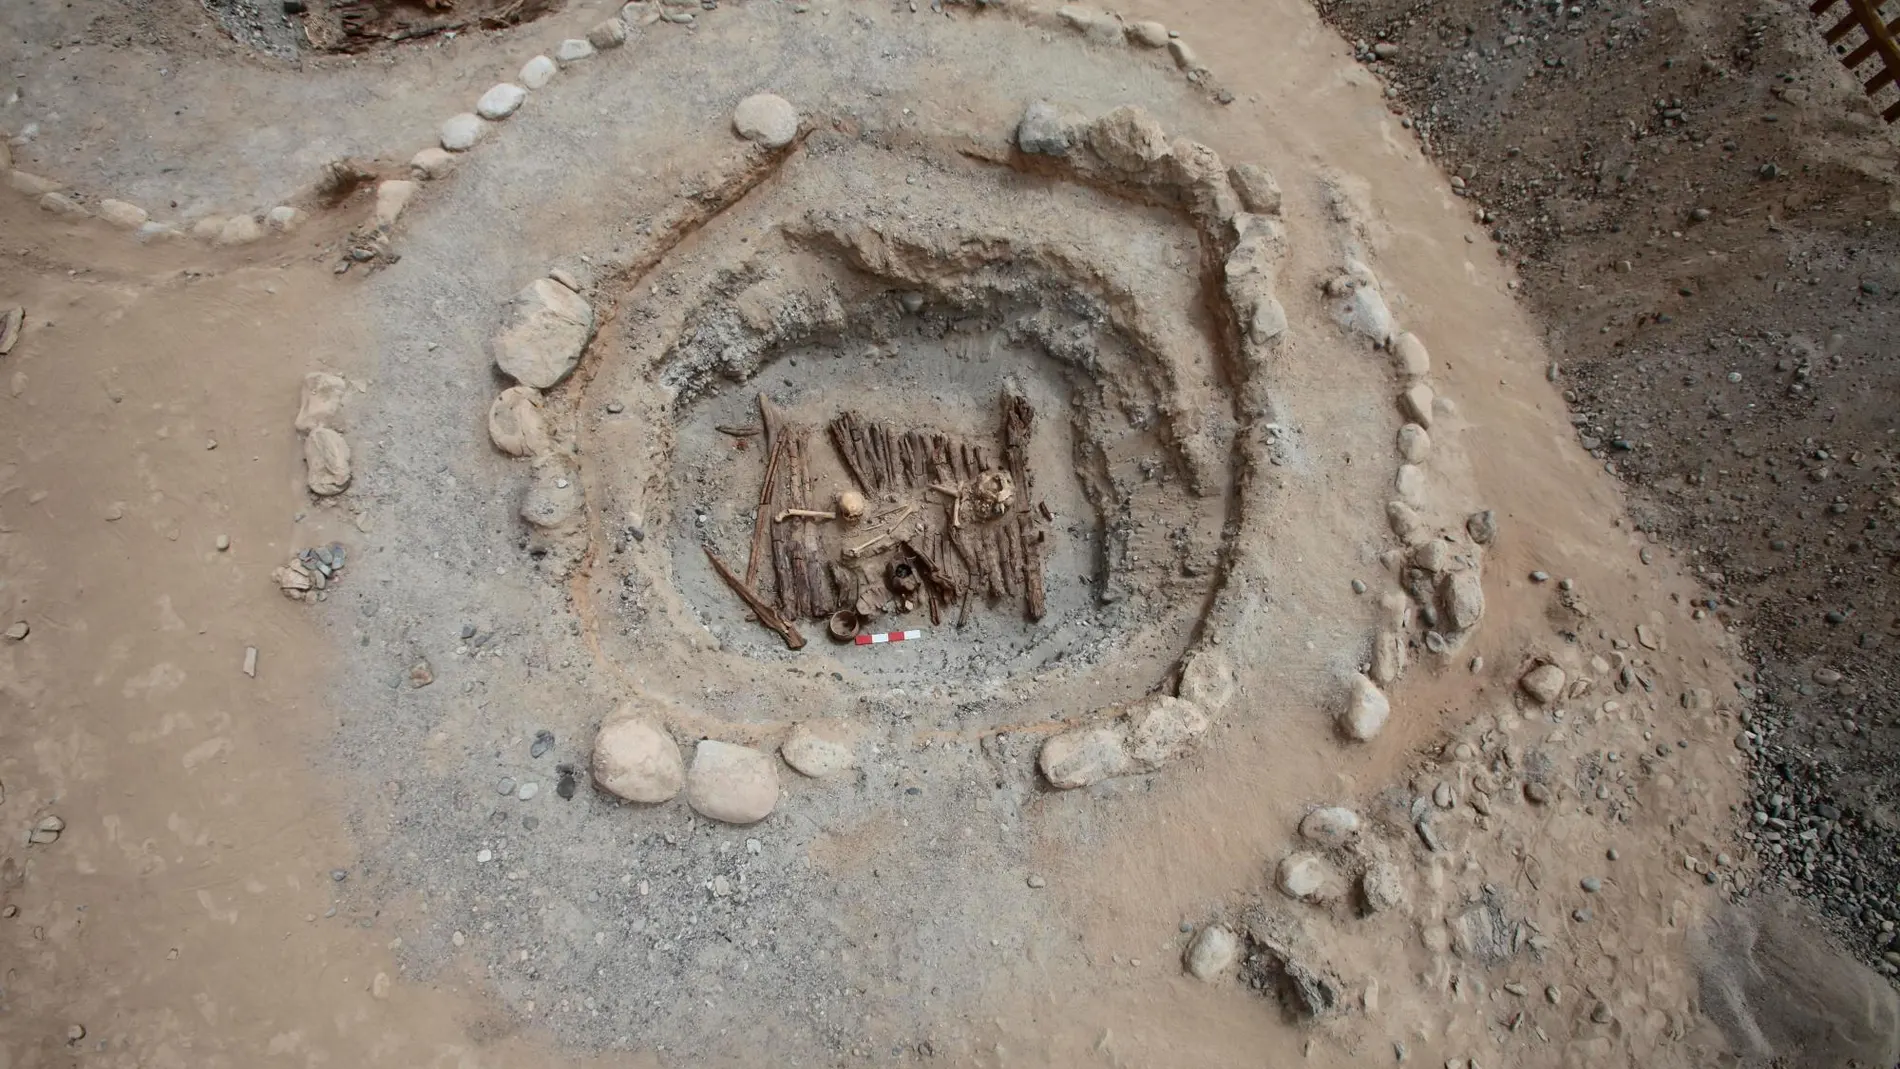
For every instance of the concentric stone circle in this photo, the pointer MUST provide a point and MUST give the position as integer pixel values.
(830, 282)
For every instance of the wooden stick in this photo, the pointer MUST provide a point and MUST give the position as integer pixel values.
(760, 529)
(766, 614)
(1010, 538)
(844, 440)
(782, 566)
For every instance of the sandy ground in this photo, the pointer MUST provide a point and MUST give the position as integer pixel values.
(286, 865)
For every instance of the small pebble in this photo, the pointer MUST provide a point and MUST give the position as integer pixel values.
(339, 875)
(1358, 586)
(1540, 577)
(1591, 884)
(506, 785)
(1611, 853)
(527, 791)
(1038, 881)
(483, 857)
(543, 742)
(1582, 916)
(223, 542)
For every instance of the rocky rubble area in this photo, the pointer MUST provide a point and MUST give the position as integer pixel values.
(1705, 235)
(1518, 857)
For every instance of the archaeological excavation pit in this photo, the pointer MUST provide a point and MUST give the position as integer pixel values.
(1006, 509)
(1011, 379)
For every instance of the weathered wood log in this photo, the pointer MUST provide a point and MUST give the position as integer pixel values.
(766, 614)
(1035, 597)
(1008, 540)
(845, 439)
(761, 523)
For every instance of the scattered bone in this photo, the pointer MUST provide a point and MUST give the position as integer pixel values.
(809, 514)
(850, 504)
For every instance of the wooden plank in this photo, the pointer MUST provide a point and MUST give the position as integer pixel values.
(759, 608)
(1881, 36)
(1036, 602)
(782, 567)
(1860, 55)
(992, 562)
(844, 443)
(762, 523)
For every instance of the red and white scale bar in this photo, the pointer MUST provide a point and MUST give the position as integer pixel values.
(882, 637)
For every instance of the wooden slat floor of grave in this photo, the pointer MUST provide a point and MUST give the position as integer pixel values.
(935, 522)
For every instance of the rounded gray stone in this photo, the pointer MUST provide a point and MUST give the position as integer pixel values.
(734, 784)
(766, 118)
(460, 132)
(636, 760)
(501, 101)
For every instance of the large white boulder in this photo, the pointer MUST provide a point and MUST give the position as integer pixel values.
(547, 327)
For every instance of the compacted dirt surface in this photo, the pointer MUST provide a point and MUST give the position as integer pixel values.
(1352, 610)
(1700, 205)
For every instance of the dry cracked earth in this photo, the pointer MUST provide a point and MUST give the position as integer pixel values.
(988, 534)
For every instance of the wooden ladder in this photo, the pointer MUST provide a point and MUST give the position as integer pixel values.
(1865, 15)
